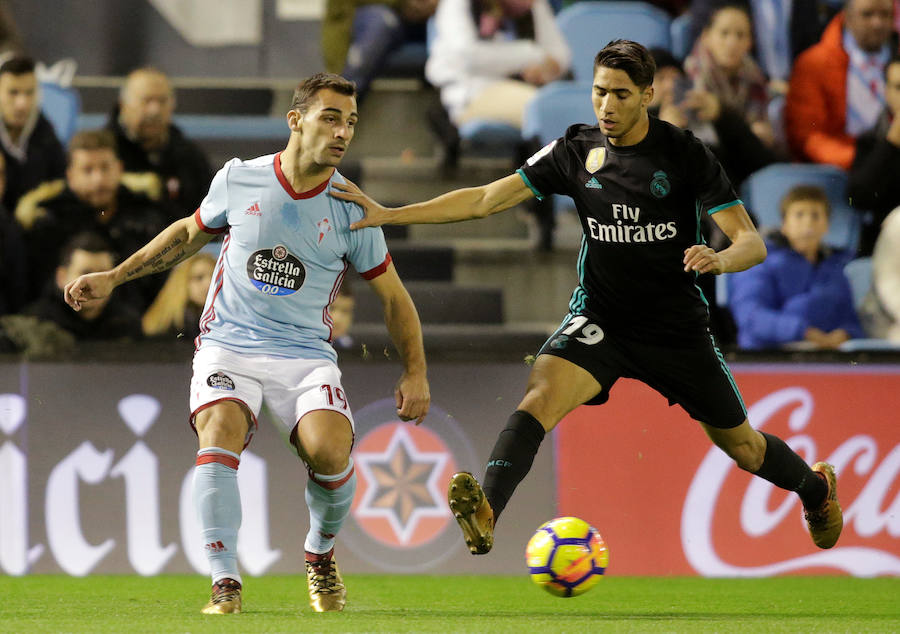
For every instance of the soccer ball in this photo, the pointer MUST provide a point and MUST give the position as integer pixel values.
(566, 556)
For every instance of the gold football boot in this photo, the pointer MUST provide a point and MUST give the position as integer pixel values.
(225, 599)
(472, 511)
(825, 523)
(327, 592)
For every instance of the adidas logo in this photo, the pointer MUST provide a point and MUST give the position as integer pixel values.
(253, 210)
(216, 547)
(593, 184)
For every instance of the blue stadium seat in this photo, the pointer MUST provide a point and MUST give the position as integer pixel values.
(554, 108)
(61, 106)
(859, 273)
(763, 190)
(589, 26)
(680, 33)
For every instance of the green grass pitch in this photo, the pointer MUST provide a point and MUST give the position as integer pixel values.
(399, 603)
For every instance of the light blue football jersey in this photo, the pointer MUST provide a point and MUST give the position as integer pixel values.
(282, 261)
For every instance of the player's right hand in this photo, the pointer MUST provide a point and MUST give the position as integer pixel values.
(376, 215)
(88, 287)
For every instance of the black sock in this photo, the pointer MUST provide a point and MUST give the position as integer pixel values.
(511, 458)
(784, 468)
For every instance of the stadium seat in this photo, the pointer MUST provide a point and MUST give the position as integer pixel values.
(859, 273)
(61, 106)
(554, 108)
(680, 33)
(589, 26)
(763, 190)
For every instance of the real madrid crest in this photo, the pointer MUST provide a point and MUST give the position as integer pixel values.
(660, 186)
(594, 160)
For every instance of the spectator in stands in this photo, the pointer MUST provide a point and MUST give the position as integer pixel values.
(91, 198)
(12, 256)
(721, 65)
(490, 56)
(881, 308)
(358, 35)
(874, 184)
(33, 153)
(177, 308)
(148, 141)
(740, 151)
(108, 318)
(837, 86)
(488, 59)
(800, 292)
(341, 311)
(782, 30)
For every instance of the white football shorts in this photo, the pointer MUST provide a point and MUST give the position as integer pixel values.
(290, 388)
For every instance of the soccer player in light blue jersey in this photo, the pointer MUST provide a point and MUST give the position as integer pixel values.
(266, 329)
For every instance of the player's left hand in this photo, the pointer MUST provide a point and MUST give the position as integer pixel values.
(413, 397)
(376, 215)
(702, 259)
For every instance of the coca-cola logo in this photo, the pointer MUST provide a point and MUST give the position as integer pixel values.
(869, 514)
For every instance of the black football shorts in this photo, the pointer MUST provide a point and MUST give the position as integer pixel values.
(692, 374)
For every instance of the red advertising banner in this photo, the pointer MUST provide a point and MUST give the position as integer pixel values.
(668, 502)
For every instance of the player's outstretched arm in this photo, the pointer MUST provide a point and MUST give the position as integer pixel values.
(460, 204)
(747, 247)
(177, 242)
(412, 393)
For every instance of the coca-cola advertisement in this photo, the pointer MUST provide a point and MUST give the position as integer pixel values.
(668, 502)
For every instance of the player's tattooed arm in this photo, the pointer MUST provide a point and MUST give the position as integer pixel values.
(169, 256)
(175, 243)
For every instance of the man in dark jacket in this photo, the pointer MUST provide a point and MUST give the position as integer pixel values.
(33, 153)
(91, 199)
(874, 186)
(109, 318)
(149, 142)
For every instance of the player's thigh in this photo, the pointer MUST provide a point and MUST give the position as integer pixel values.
(224, 399)
(693, 375)
(556, 386)
(300, 394)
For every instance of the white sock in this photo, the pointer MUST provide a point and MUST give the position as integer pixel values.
(329, 498)
(218, 504)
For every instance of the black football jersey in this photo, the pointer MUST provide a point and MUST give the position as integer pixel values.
(640, 208)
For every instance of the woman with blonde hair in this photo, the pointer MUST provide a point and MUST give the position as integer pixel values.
(179, 304)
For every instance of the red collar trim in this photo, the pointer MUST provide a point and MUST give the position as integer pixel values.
(315, 191)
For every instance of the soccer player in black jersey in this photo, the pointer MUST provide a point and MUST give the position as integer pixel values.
(640, 186)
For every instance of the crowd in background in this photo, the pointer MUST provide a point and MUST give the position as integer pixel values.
(764, 82)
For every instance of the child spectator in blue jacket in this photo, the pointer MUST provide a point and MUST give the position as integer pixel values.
(800, 293)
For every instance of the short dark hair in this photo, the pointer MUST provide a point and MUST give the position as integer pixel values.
(629, 56)
(84, 241)
(812, 193)
(17, 65)
(308, 88)
(100, 139)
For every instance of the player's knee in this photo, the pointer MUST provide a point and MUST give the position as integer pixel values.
(327, 459)
(747, 455)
